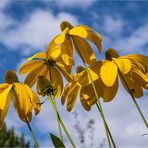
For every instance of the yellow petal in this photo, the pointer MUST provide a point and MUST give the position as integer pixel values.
(85, 104)
(67, 91)
(67, 59)
(65, 70)
(87, 94)
(124, 65)
(40, 55)
(72, 97)
(4, 111)
(93, 36)
(67, 47)
(21, 99)
(57, 81)
(84, 50)
(53, 52)
(140, 59)
(32, 77)
(94, 70)
(134, 87)
(36, 105)
(108, 73)
(60, 38)
(78, 31)
(29, 66)
(4, 95)
(108, 93)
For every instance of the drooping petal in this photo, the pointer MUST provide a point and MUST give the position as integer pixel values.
(78, 31)
(124, 65)
(140, 78)
(4, 95)
(32, 77)
(87, 93)
(53, 52)
(67, 52)
(21, 100)
(140, 59)
(4, 111)
(40, 55)
(36, 105)
(34, 100)
(85, 104)
(67, 91)
(134, 87)
(57, 81)
(92, 71)
(29, 66)
(65, 70)
(84, 50)
(72, 97)
(60, 38)
(108, 73)
(108, 93)
(93, 36)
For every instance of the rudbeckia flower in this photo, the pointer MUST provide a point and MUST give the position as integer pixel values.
(48, 66)
(77, 37)
(80, 82)
(133, 69)
(24, 99)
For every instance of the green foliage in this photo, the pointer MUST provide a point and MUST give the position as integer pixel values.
(56, 141)
(8, 138)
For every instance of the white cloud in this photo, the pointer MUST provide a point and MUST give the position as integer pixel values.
(137, 41)
(4, 3)
(35, 33)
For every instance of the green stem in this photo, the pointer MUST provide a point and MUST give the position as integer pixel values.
(133, 98)
(32, 134)
(61, 122)
(55, 109)
(107, 131)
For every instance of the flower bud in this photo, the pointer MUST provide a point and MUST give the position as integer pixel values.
(64, 25)
(11, 77)
(111, 53)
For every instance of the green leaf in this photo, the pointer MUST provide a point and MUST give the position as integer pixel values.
(56, 141)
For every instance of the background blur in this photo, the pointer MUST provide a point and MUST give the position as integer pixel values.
(27, 27)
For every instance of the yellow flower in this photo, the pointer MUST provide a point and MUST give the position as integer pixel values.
(133, 69)
(24, 99)
(48, 66)
(87, 95)
(77, 36)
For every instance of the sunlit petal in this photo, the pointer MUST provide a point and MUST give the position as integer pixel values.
(78, 31)
(108, 73)
(40, 55)
(124, 65)
(29, 66)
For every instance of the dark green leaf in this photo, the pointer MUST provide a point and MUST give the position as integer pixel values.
(56, 141)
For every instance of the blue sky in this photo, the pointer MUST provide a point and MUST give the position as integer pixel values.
(28, 26)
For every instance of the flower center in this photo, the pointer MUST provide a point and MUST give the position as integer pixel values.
(111, 53)
(45, 86)
(11, 77)
(50, 62)
(64, 25)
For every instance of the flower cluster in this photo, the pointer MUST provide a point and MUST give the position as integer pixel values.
(92, 81)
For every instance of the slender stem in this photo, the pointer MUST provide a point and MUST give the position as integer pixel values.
(59, 127)
(32, 134)
(61, 122)
(66, 132)
(108, 133)
(133, 98)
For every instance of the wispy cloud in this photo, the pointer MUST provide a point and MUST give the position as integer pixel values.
(35, 33)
